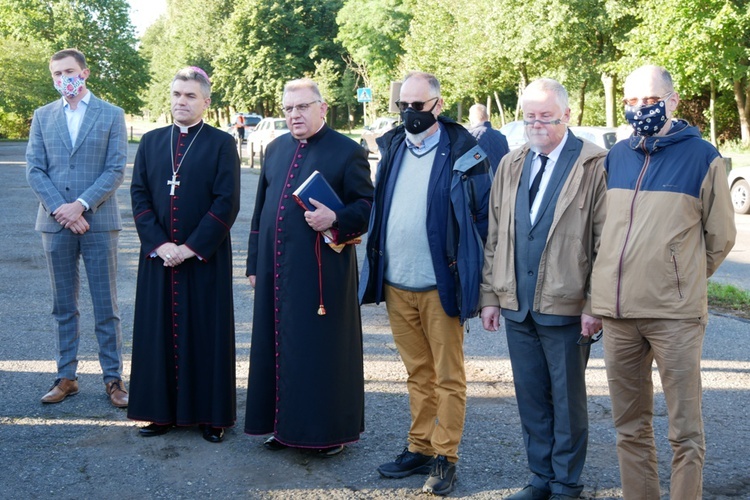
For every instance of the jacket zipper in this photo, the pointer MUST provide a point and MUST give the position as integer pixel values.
(630, 227)
(676, 271)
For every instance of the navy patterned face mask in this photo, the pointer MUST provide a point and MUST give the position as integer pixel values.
(647, 120)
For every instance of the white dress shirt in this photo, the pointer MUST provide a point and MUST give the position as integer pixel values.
(536, 164)
(74, 117)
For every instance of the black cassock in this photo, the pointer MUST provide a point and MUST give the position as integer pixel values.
(183, 363)
(306, 383)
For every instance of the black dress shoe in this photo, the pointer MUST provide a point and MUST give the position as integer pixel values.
(273, 445)
(212, 434)
(154, 430)
(330, 452)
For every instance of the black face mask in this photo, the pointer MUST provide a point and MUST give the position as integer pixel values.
(417, 121)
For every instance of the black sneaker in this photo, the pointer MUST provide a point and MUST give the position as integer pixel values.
(442, 478)
(406, 464)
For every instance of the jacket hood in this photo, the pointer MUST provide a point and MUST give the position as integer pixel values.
(680, 131)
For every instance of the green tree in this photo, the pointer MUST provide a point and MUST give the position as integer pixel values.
(101, 29)
(175, 40)
(373, 32)
(705, 44)
(25, 84)
(269, 42)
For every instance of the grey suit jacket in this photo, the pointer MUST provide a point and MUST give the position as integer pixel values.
(91, 169)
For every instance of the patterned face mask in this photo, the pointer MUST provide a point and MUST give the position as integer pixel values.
(69, 86)
(647, 120)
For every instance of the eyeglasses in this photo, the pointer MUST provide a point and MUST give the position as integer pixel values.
(288, 110)
(584, 341)
(645, 101)
(416, 105)
(542, 122)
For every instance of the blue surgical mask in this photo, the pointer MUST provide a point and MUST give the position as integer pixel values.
(647, 120)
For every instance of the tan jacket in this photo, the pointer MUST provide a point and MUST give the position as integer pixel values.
(670, 224)
(564, 272)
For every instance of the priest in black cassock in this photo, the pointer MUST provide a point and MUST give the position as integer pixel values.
(186, 195)
(306, 382)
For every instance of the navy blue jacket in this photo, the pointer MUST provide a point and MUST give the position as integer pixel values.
(492, 141)
(457, 204)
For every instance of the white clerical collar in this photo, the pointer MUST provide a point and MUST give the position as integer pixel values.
(304, 141)
(184, 130)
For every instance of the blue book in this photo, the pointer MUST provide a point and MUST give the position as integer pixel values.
(316, 186)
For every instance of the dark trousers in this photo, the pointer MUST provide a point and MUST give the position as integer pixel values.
(549, 374)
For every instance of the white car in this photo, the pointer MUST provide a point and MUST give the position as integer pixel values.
(514, 134)
(267, 130)
(739, 185)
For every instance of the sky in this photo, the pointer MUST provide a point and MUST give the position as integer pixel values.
(144, 12)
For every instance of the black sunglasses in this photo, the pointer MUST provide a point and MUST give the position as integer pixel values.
(584, 341)
(417, 105)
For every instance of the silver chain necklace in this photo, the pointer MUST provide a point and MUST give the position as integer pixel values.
(174, 182)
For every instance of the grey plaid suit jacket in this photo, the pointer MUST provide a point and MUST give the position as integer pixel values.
(91, 169)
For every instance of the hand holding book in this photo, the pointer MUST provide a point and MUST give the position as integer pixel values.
(320, 201)
(321, 217)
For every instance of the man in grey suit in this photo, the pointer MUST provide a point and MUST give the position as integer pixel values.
(545, 219)
(75, 163)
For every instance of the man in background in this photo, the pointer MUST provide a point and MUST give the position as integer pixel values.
(492, 141)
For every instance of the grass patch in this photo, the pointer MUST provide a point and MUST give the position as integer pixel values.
(729, 299)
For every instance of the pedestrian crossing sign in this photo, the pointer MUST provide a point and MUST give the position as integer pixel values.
(364, 94)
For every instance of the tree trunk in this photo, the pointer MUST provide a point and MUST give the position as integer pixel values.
(712, 111)
(582, 102)
(742, 99)
(489, 107)
(349, 116)
(610, 113)
(460, 111)
(500, 108)
(522, 83)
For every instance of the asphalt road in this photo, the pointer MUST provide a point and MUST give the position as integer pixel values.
(85, 448)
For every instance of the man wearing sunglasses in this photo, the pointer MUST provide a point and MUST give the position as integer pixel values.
(546, 214)
(669, 226)
(424, 258)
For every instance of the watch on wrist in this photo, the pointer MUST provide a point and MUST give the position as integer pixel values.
(84, 206)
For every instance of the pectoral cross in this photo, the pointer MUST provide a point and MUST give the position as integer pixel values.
(173, 184)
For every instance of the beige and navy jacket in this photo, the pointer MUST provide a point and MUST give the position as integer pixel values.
(669, 225)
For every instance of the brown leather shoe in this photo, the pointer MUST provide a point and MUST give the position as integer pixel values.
(61, 389)
(117, 393)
